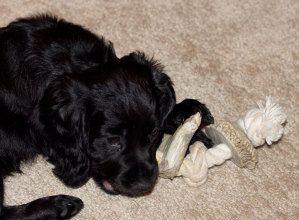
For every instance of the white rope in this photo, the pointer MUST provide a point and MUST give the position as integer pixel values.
(218, 155)
(264, 124)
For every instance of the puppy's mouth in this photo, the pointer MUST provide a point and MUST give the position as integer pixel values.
(108, 187)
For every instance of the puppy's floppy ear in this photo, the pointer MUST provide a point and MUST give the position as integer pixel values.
(163, 85)
(63, 115)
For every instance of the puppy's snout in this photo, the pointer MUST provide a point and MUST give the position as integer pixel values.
(141, 187)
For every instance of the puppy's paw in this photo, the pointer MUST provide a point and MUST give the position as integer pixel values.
(184, 110)
(191, 106)
(66, 206)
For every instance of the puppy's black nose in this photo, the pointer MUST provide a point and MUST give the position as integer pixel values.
(138, 180)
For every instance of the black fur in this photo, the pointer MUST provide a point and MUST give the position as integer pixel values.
(64, 94)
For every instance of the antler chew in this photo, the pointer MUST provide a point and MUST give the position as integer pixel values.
(243, 153)
(171, 152)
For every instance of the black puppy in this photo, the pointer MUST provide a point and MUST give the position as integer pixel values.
(65, 95)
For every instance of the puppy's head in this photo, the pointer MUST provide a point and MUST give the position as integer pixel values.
(131, 103)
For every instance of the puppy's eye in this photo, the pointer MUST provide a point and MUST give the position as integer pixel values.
(154, 134)
(156, 131)
(115, 142)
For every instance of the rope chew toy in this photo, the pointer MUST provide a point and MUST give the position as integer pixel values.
(234, 141)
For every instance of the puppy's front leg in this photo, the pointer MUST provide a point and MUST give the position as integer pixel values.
(54, 207)
(184, 110)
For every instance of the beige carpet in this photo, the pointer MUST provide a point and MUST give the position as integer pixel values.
(227, 54)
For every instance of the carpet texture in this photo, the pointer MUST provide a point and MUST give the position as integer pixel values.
(227, 54)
